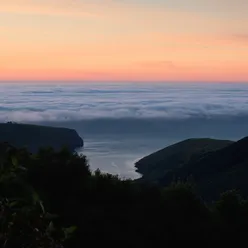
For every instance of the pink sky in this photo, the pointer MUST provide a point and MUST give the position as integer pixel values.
(182, 40)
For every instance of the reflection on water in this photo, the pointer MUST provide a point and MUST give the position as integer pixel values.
(118, 156)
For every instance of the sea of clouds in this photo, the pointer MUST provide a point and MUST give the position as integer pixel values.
(21, 102)
(121, 123)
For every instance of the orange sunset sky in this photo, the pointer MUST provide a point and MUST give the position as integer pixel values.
(143, 40)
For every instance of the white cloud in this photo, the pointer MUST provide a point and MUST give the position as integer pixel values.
(26, 103)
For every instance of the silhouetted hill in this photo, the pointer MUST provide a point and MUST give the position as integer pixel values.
(33, 136)
(155, 166)
(216, 172)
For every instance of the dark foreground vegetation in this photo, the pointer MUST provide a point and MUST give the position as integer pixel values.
(52, 200)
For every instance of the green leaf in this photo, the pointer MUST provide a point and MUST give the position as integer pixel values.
(13, 204)
(42, 206)
(14, 161)
(36, 198)
(69, 231)
(22, 168)
(50, 227)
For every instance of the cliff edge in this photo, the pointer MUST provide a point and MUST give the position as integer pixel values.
(33, 137)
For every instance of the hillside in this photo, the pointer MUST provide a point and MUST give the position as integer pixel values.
(217, 172)
(155, 166)
(33, 136)
(54, 200)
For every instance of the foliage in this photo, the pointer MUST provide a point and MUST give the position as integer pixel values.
(52, 199)
(24, 222)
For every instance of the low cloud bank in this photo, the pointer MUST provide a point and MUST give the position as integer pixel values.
(44, 103)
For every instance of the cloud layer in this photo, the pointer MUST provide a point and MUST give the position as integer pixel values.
(58, 103)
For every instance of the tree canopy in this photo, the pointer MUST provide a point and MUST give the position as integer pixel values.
(52, 199)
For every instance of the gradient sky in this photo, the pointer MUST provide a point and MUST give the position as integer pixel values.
(141, 40)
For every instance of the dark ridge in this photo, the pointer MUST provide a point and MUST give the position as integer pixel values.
(216, 172)
(155, 166)
(33, 137)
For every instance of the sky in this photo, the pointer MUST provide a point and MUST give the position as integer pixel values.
(129, 40)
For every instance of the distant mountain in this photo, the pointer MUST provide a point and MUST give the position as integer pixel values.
(157, 165)
(33, 136)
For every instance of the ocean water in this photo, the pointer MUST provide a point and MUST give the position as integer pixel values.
(121, 123)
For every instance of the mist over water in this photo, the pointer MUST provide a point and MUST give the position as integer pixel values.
(70, 102)
(121, 123)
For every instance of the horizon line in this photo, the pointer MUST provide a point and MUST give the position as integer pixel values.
(121, 81)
